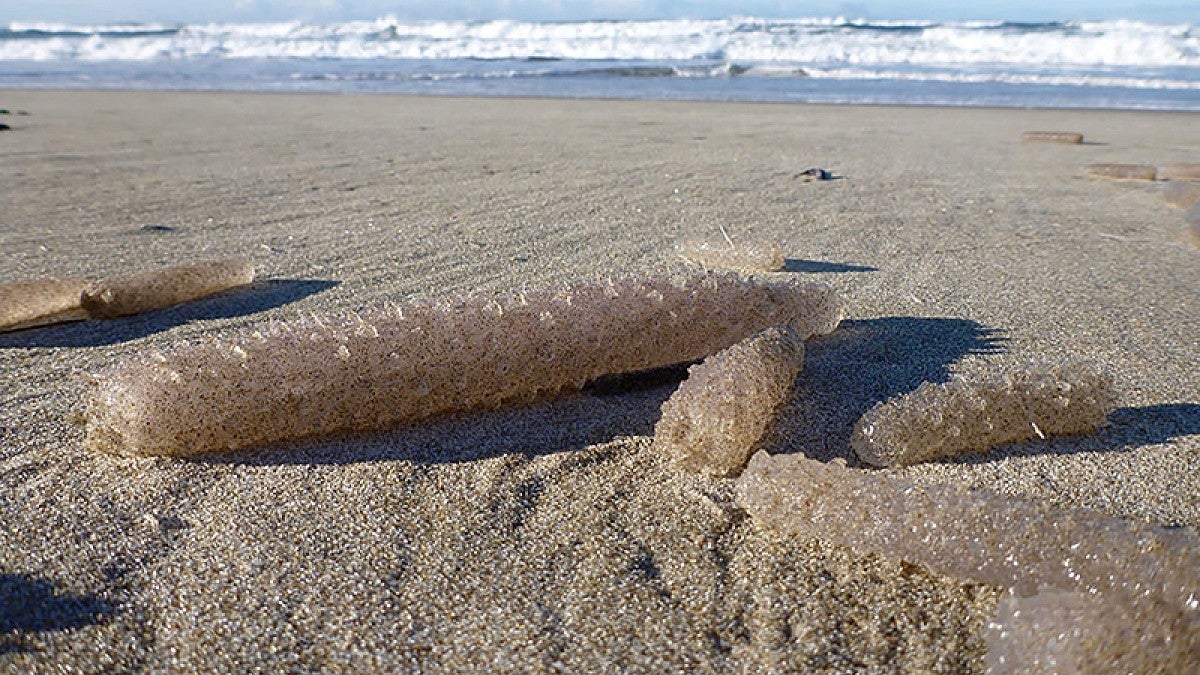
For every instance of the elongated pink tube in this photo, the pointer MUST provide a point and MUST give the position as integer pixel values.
(397, 365)
(1179, 171)
(753, 256)
(1069, 632)
(1123, 171)
(974, 535)
(719, 415)
(974, 414)
(1068, 137)
(1182, 193)
(154, 289)
(36, 302)
(1191, 225)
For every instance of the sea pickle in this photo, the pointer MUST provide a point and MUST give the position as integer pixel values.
(720, 413)
(398, 365)
(1182, 193)
(1123, 171)
(974, 535)
(1070, 137)
(154, 289)
(754, 256)
(1179, 171)
(1067, 632)
(970, 414)
(1191, 228)
(36, 302)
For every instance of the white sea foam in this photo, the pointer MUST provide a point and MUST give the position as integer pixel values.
(1049, 79)
(816, 42)
(1114, 64)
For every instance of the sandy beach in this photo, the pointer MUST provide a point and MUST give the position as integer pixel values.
(551, 537)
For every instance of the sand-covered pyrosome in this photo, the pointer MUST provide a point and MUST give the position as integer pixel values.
(1068, 137)
(977, 536)
(1070, 632)
(36, 302)
(1181, 193)
(397, 365)
(1179, 171)
(721, 412)
(154, 289)
(1123, 171)
(971, 414)
(722, 253)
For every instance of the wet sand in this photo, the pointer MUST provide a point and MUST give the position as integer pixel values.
(551, 537)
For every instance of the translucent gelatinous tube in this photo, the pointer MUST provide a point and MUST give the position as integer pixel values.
(1179, 171)
(397, 365)
(1182, 193)
(720, 413)
(975, 535)
(37, 302)
(154, 289)
(1069, 632)
(976, 413)
(1123, 171)
(1191, 225)
(1069, 137)
(754, 256)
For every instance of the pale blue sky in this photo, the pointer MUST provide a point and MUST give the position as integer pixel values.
(108, 11)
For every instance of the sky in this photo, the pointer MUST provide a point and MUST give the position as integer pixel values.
(171, 11)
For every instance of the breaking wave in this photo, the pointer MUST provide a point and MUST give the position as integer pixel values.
(816, 42)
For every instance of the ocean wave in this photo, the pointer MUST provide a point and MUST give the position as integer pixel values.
(827, 42)
(529, 70)
(1045, 79)
(20, 28)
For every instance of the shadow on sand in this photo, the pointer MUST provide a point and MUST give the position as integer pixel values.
(253, 298)
(800, 266)
(863, 363)
(32, 605)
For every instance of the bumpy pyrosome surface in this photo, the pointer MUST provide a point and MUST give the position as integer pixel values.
(1191, 225)
(1123, 171)
(976, 413)
(37, 301)
(1179, 171)
(400, 364)
(1068, 137)
(1152, 573)
(1069, 632)
(719, 415)
(154, 289)
(1182, 193)
(753, 256)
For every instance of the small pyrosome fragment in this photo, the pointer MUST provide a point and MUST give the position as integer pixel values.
(753, 256)
(1070, 632)
(1179, 171)
(721, 412)
(977, 536)
(972, 414)
(397, 365)
(38, 302)
(1181, 193)
(1123, 171)
(1191, 225)
(1066, 137)
(158, 288)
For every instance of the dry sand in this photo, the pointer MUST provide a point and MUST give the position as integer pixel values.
(551, 537)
